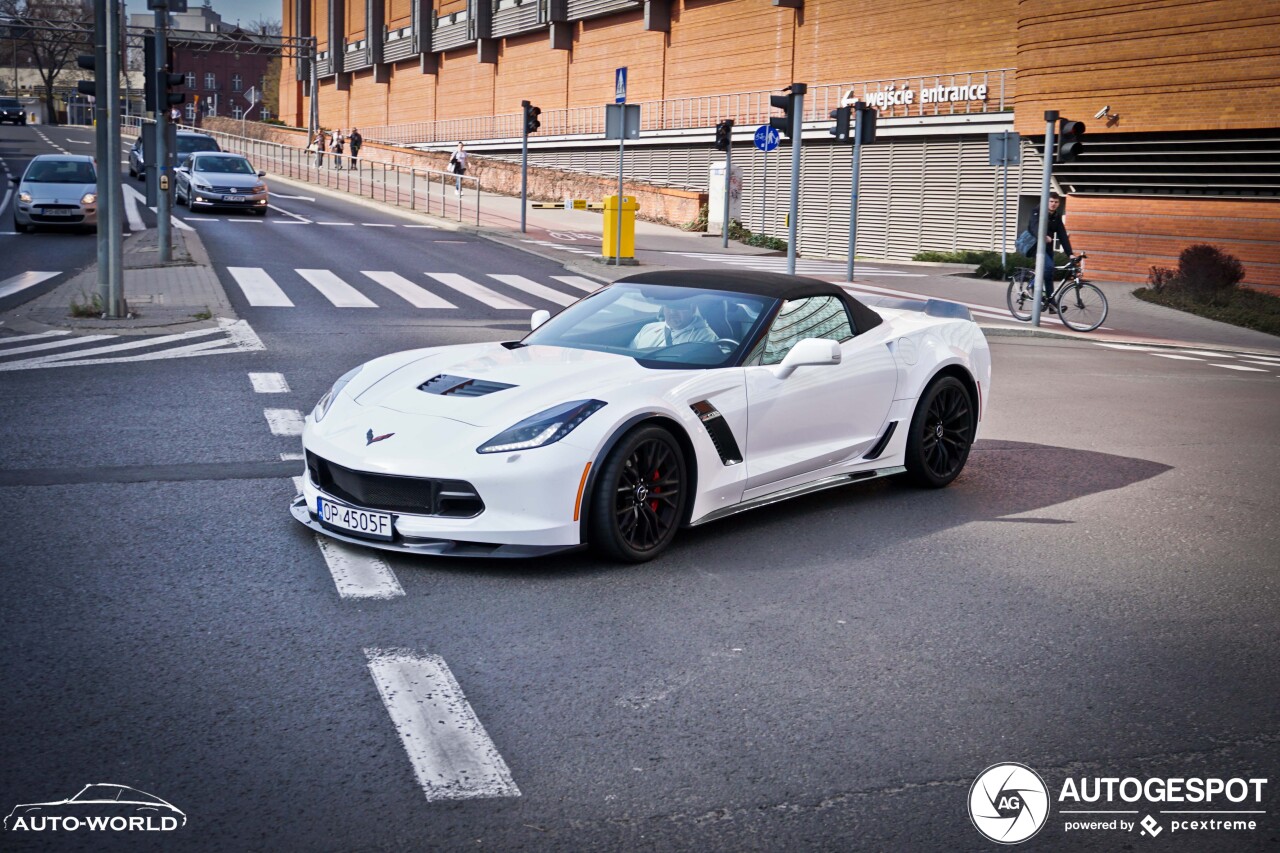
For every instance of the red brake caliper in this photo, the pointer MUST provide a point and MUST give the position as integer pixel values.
(653, 505)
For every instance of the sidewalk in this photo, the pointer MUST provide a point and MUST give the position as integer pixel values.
(182, 296)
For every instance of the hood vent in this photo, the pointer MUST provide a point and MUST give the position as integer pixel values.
(460, 386)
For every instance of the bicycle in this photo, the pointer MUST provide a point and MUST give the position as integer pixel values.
(1080, 306)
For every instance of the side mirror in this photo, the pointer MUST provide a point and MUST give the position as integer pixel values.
(261, 174)
(15, 180)
(539, 317)
(809, 352)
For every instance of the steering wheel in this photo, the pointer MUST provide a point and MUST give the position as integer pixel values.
(727, 345)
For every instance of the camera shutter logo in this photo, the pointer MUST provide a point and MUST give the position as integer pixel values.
(1008, 803)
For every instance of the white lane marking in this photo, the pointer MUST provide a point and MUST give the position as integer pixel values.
(142, 343)
(337, 291)
(269, 383)
(580, 282)
(133, 199)
(1173, 355)
(293, 197)
(378, 225)
(241, 335)
(217, 347)
(358, 572)
(259, 288)
(1262, 361)
(1208, 353)
(178, 223)
(1239, 367)
(255, 221)
(294, 457)
(203, 219)
(297, 481)
(415, 295)
(335, 223)
(65, 342)
(286, 222)
(8, 194)
(1133, 347)
(417, 226)
(41, 336)
(79, 142)
(22, 281)
(451, 753)
(301, 220)
(532, 288)
(284, 421)
(476, 291)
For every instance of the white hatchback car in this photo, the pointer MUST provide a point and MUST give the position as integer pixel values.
(59, 190)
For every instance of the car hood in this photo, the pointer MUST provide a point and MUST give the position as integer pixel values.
(57, 193)
(227, 179)
(539, 377)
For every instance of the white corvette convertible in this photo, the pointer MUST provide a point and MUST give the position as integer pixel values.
(664, 400)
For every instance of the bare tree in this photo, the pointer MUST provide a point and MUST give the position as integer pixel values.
(51, 33)
(266, 27)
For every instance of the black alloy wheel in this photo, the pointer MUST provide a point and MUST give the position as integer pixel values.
(639, 500)
(942, 432)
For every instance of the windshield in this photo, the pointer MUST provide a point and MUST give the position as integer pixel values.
(9, 102)
(60, 172)
(224, 165)
(660, 326)
(188, 144)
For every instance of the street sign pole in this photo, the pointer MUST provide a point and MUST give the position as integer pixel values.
(1004, 219)
(853, 192)
(797, 124)
(1043, 262)
(114, 202)
(620, 97)
(764, 191)
(161, 152)
(728, 176)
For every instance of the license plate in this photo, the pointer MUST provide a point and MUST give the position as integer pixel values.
(235, 198)
(375, 525)
(58, 212)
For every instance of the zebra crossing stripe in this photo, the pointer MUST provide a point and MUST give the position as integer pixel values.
(337, 291)
(532, 288)
(357, 572)
(580, 282)
(22, 281)
(476, 291)
(142, 343)
(415, 295)
(259, 288)
(269, 383)
(284, 421)
(451, 753)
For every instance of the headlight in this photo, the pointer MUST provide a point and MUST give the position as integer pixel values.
(201, 185)
(260, 188)
(24, 197)
(326, 402)
(88, 198)
(543, 428)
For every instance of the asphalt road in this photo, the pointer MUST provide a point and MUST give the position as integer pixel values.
(1095, 596)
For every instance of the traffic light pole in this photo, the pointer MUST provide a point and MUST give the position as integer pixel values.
(728, 178)
(1044, 260)
(113, 204)
(100, 138)
(797, 123)
(524, 167)
(161, 154)
(853, 191)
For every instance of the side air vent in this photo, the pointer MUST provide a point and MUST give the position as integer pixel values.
(874, 452)
(460, 386)
(718, 428)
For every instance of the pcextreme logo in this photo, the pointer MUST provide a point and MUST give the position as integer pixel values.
(1009, 803)
(100, 807)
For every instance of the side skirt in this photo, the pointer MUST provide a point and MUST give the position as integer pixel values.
(797, 491)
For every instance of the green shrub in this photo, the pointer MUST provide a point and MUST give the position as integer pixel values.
(987, 263)
(739, 232)
(1205, 274)
(90, 307)
(698, 224)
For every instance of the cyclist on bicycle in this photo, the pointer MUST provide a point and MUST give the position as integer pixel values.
(1057, 228)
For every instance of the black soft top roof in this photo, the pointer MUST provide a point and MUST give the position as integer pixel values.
(769, 284)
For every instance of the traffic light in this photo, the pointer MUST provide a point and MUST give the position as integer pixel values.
(782, 123)
(531, 113)
(724, 135)
(90, 86)
(168, 81)
(1069, 144)
(841, 130)
(866, 128)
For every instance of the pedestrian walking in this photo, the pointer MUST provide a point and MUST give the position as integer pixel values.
(356, 141)
(458, 165)
(318, 145)
(336, 149)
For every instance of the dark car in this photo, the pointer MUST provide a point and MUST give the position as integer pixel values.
(11, 110)
(189, 142)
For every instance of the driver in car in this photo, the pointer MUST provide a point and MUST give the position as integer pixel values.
(678, 323)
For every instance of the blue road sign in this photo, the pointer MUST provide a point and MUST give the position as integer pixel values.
(767, 137)
(620, 86)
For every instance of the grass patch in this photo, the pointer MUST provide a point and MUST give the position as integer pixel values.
(89, 307)
(739, 232)
(1246, 308)
(203, 315)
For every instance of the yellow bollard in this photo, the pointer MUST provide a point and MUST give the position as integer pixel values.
(628, 213)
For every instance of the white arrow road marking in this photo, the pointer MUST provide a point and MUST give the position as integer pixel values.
(519, 282)
(132, 198)
(284, 421)
(357, 572)
(269, 383)
(415, 295)
(22, 281)
(259, 288)
(478, 292)
(452, 755)
(337, 291)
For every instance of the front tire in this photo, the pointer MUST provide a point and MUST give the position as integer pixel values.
(942, 432)
(1082, 306)
(640, 497)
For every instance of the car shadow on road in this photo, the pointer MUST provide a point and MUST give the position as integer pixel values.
(1003, 481)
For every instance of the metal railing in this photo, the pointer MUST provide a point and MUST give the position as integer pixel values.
(431, 191)
(745, 108)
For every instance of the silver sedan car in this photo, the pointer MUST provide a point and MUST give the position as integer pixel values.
(57, 189)
(217, 179)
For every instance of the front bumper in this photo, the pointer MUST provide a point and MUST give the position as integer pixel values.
(239, 201)
(36, 213)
